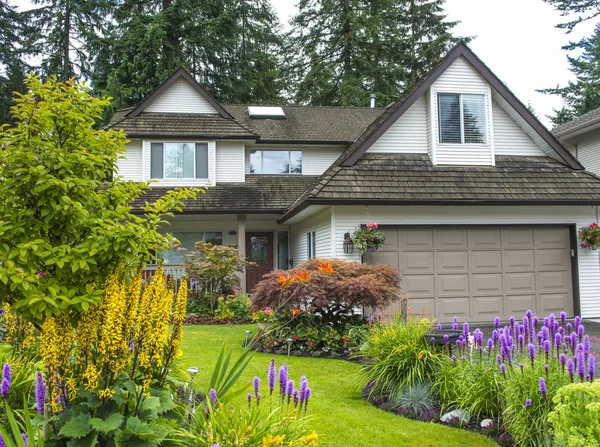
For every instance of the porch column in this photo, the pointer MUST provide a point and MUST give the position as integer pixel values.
(241, 234)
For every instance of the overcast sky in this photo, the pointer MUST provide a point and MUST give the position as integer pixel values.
(517, 39)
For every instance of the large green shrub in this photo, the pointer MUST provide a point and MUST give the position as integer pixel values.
(576, 416)
(399, 355)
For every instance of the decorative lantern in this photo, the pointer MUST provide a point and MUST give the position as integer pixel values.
(348, 244)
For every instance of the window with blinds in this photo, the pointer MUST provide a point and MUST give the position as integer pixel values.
(179, 160)
(461, 118)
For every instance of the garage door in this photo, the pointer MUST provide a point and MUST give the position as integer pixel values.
(480, 272)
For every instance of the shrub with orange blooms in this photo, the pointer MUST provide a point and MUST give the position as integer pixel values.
(329, 285)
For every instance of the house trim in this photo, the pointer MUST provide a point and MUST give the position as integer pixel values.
(190, 136)
(420, 89)
(180, 73)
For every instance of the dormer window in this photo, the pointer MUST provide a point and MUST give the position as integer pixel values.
(461, 118)
(170, 160)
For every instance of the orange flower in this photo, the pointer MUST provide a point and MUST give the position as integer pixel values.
(302, 276)
(295, 312)
(285, 280)
(325, 267)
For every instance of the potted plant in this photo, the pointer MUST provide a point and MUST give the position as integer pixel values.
(368, 238)
(590, 236)
(262, 318)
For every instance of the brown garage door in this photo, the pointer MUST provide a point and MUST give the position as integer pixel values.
(479, 272)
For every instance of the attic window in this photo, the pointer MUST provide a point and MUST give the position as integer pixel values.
(263, 112)
(461, 118)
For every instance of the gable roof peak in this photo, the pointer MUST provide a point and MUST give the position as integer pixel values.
(180, 73)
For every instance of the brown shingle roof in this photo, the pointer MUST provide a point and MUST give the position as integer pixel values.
(578, 122)
(259, 194)
(395, 179)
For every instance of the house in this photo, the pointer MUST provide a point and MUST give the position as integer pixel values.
(581, 137)
(480, 203)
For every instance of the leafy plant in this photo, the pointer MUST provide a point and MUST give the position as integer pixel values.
(23, 371)
(234, 306)
(590, 236)
(574, 420)
(66, 220)
(368, 238)
(16, 435)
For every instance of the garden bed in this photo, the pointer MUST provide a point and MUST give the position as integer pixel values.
(194, 320)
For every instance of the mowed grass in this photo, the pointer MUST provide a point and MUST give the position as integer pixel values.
(340, 416)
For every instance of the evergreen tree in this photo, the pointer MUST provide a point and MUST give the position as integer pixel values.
(584, 9)
(583, 94)
(348, 49)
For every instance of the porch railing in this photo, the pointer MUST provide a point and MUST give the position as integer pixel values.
(171, 272)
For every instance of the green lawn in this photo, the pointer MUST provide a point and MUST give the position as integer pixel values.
(340, 415)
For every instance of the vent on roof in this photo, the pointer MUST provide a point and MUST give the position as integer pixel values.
(263, 112)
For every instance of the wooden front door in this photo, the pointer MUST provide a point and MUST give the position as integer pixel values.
(259, 249)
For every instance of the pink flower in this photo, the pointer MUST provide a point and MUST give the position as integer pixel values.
(268, 310)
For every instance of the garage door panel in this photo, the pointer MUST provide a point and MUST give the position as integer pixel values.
(486, 260)
(484, 237)
(450, 307)
(551, 237)
(389, 257)
(486, 284)
(553, 282)
(519, 282)
(452, 261)
(419, 285)
(553, 303)
(450, 238)
(487, 307)
(519, 304)
(417, 261)
(552, 259)
(452, 285)
(391, 242)
(519, 260)
(416, 238)
(419, 306)
(517, 237)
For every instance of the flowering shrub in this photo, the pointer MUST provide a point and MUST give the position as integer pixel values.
(262, 314)
(590, 236)
(575, 421)
(368, 238)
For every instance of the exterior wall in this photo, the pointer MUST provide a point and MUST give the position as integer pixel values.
(130, 167)
(347, 218)
(587, 151)
(409, 134)
(461, 77)
(315, 159)
(320, 223)
(509, 138)
(230, 161)
(181, 97)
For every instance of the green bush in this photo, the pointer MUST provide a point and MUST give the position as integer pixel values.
(399, 355)
(576, 416)
(236, 306)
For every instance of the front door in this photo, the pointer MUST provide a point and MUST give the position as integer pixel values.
(259, 249)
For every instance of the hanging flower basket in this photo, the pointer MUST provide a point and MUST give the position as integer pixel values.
(590, 236)
(368, 238)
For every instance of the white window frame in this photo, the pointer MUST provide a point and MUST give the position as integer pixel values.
(289, 151)
(311, 244)
(164, 143)
(196, 232)
(461, 118)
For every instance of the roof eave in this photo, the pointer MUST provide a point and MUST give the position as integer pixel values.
(188, 136)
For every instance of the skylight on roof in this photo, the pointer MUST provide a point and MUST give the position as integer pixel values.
(263, 112)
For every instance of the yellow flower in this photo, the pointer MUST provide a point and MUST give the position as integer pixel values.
(112, 345)
(310, 439)
(106, 393)
(178, 318)
(71, 386)
(132, 306)
(91, 377)
(273, 440)
(249, 429)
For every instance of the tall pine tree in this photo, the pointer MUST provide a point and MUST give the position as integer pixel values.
(348, 49)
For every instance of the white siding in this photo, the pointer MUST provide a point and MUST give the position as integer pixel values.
(409, 134)
(347, 218)
(180, 182)
(509, 137)
(461, 77)
(587, 151)
(181, 97)
(130, 167)
(230, 161)
(315, 159)
(320, 223)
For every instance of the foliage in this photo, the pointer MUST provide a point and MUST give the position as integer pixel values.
(329, 288)
(224, 378)
(19, 333)
(399, 355)
(416, 401)
(574, 419)
(262, 315)
(234, 306)
(13, 434)
(214, 268)
(24, 369)
(589, 236)
(582, 11)
(65, 222)
(368, 238)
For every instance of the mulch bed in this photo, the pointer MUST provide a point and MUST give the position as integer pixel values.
(208, 320)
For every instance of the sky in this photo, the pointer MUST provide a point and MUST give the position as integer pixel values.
(517, 39)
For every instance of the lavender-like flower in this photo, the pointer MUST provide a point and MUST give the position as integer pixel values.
(455, 323)
(249, 397)
(466, 329)
(40, 393)
(563, 317)
(543, 388)
(308, 394)
(439, 326)
(529, 313)
(527, 404)
(283, 377)
(497, 322)
(547, 348)
(536, 320)
(545, 333)
(522, 367)
(4, 388)
(296, 398)
(498, 359)
(289, 390)
(213, 397)
(271, 378)
(587, 348)
(546, 368)
(446, 339)
(490, 345)
(546, 321)
(25, 440)
(580, 332)
(256, 383)
(581, 365)
(531, 348)
(577, 321)
(557, 340)
(563, 360)
(463, 358)
(303, 388)
(2, 444)
(571, 369)
(453, 358)
(573, 342)
(569, 328)
(520, 341)
(552, 320)
(7, 373)
(503, 369)
(592, 367)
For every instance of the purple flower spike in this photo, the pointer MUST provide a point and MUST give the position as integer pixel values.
(283, 377)
(545, 333)
(249, 397)
(511, 320)
(40, 393)
(7, 373)
(527, 404)
(498, 359)
(466, 329)
(25, 440)
(573, 342)
(563, 317)
(213, 397)
(571, 368)
(547, 347)
(592, 367)
(497, 322)
(580, 332)
(455, 323)
(4, 388)
(563, 360)
(454, 358)
(546, 322)
(577, 321)
(289, 390)
(586, 344)
(256, 383)
(490, 345)
(463, 358)
(296, 398)
(531, 348)
(303, 388)
(557, 340)
(503, 369)
(439, 326)
(569, 327)
(581, 365)
(536, 320)
(522, 368)
(546, 368)
(543, 388)
(446, 339)
(272, 374)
